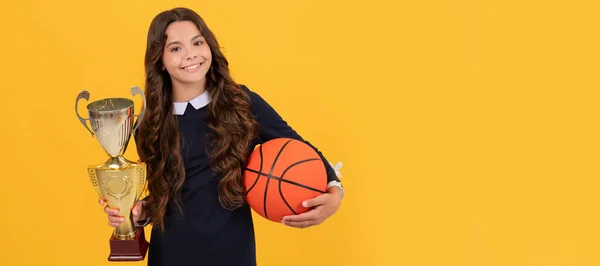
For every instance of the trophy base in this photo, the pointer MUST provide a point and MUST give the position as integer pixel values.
(129, 250)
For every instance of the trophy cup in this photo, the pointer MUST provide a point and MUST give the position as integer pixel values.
(118, 180)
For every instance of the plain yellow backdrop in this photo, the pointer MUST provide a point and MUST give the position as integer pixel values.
(468, 130)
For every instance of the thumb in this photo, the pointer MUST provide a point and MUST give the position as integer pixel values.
(137, 209)
(318, 200)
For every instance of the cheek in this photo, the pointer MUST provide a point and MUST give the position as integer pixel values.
(206, 52)
(170, 62)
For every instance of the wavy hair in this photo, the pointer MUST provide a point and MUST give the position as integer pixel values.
(229, 118)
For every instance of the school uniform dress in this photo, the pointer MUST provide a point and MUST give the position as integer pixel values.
(206, 234)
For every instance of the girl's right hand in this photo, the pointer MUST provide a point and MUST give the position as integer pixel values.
(114, 219)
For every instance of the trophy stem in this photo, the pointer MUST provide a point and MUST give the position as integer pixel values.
(126, 230)
(116, 162)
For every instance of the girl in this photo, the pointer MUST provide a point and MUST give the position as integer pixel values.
(198, 130)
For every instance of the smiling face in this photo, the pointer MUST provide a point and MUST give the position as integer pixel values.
(186, 56)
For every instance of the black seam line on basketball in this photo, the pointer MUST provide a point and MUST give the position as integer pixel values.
(258, 176)
(269, 177)
(288, 181)
(283, 174)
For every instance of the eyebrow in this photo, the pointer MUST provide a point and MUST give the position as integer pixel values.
(178, 42)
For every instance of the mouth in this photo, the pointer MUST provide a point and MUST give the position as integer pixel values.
(192, 68)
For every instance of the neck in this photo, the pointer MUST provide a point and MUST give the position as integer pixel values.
(185, 92)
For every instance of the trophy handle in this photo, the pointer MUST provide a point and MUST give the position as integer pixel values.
(94, 178)
(141, 169)
(83, 95)
(135, 90)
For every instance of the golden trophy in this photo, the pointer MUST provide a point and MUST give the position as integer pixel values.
(118, 180)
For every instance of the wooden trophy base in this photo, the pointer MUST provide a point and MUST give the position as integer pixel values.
(129, 250)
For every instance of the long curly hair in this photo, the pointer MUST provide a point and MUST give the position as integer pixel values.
(229, 118)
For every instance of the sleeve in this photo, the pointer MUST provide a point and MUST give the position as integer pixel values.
(273, 126)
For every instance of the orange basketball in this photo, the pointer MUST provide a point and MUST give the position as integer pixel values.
(280, 174)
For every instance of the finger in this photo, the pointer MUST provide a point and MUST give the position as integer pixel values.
(111, 211)
(116, 219)
(307, 216)
(101, 201)
(316, 201)
(113, 224)
(303, 224)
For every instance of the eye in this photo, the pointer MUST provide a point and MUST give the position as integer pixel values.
(198, 43)
(175, 49)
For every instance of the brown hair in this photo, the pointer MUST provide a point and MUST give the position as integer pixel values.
(229, 118)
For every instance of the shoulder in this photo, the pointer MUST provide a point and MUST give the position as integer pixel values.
(257, 102)
(252, 95)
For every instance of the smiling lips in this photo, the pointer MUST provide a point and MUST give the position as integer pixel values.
(192, 68)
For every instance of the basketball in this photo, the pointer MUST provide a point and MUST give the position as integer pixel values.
(280, 174)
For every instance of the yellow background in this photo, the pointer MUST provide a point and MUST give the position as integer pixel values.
(468, 130)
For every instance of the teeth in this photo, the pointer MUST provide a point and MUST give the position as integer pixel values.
(192, 67)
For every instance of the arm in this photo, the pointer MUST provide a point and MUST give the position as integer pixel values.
(274, 126)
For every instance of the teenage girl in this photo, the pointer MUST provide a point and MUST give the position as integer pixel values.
(198, 130)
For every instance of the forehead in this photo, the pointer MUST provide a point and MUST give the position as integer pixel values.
(182, 30)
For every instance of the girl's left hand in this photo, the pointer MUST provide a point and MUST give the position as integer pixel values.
(323, 206)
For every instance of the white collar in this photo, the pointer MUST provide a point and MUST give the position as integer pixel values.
(198, 102)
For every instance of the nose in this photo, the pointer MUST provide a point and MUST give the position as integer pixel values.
(191, 57)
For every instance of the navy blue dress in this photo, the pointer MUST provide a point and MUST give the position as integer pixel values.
(206, 234)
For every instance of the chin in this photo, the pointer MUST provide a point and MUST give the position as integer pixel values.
(193, 80)
(191, 77)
